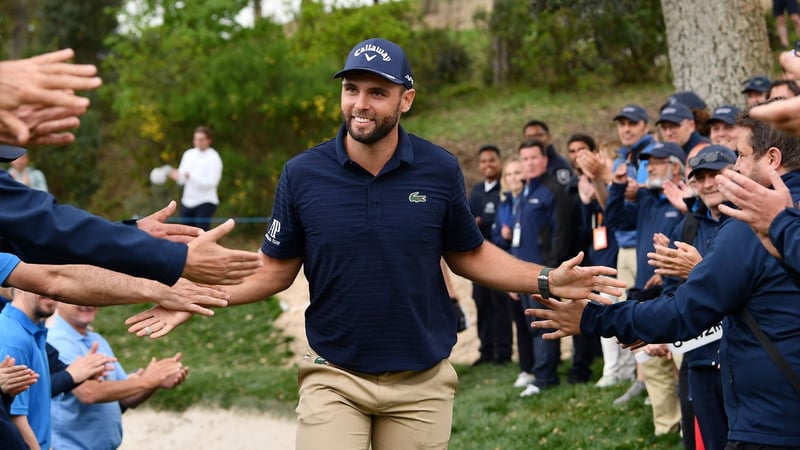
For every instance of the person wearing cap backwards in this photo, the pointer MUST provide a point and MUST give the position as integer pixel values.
(722, 125)
(755, 89)
(368, 215)
(737, 277)
(677, 125)
(651, 213)
(693, 238)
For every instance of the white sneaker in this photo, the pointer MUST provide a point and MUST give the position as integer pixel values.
(531, 389)
(608, 381)
(524, 379)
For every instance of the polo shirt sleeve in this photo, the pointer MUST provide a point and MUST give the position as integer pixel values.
(461, 233)
(8, 263)
(285, 237)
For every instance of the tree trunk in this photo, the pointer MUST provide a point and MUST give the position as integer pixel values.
(715, 46)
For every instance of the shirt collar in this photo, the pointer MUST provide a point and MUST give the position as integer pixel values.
(19, 316)
(403, 153)
(73, 334)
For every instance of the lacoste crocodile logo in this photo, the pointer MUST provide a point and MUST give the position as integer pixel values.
(415, 197)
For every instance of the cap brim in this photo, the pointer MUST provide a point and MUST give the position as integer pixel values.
(9, 153)
(716, 165)
(629, 117)
(671, 119)
(342, 73)
(720, 119)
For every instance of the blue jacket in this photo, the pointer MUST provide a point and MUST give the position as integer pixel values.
(784, 232)
(559, 167)
(484, 205)
(543, 213)
(707, 355)
(652, 213)
(38, 230)
(737, 273)
(504, 216)
(593, 216)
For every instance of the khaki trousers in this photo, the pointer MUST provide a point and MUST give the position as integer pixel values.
(340, 409)
(662, 387)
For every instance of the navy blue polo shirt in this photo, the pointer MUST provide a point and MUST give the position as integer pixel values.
(371, 247)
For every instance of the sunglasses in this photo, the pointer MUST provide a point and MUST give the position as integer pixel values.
(710, 157)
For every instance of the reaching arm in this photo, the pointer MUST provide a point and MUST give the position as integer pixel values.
(275, 275)
(494, 268)
(93, 286)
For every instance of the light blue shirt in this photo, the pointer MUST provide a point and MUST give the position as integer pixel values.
(24, 340)
(76, 425)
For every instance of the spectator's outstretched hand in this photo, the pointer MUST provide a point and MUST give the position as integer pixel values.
(156, 322)
(45, 81)
(210, 263)
(154, 225)
(564, 317)
(194, 298)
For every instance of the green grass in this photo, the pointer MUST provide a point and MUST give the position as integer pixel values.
(489, 414)
(239, 360)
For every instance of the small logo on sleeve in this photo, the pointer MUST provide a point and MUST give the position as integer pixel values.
(272, 232)
(415, 197)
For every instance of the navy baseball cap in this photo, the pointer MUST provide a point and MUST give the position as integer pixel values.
(725, 113)
(758, 83)
(675, 113)
(713, 157)
(633, 112)
(665, 150)
(9, 153)
(688, 98)
(381, 57)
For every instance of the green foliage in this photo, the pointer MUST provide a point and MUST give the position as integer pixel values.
(578, 44)
(264, 100)
(81, 26)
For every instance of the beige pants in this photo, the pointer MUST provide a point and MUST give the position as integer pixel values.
(340, 409)
(662, 386)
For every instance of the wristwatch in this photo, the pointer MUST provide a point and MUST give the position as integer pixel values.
(544, 282)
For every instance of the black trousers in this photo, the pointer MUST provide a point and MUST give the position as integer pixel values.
(751, 446)
(199, 216)
(494, 323)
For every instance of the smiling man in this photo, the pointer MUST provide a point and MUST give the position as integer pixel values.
(369, 215)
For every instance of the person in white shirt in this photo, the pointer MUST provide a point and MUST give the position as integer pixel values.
(199, 174)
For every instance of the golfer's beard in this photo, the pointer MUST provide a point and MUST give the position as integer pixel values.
(382, 128)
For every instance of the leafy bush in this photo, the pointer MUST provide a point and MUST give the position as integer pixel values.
(561, 44)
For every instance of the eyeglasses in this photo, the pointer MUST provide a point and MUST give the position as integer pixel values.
(710, 157)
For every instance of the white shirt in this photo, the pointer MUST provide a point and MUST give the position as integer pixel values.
(204, 170)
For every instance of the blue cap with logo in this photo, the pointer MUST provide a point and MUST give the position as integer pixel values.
(758, 83)
(665, 150)
(9, 153)
(634, 113)
(381, 57)
(713, 157)
(688, 98)
(725, 113)
(675, 113)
